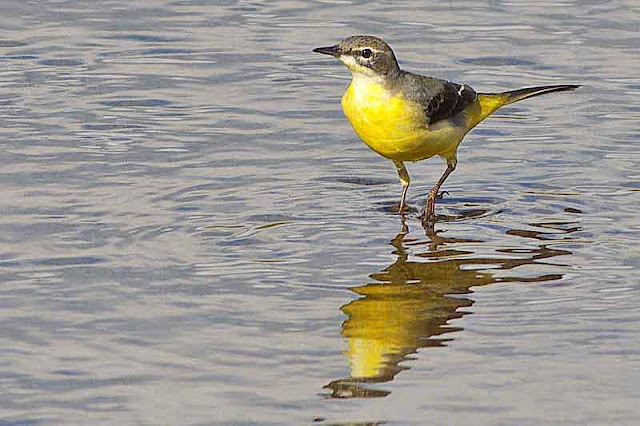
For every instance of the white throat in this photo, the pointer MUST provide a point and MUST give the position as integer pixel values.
(360, 71)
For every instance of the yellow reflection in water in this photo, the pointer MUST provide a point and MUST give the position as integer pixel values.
(410, 303)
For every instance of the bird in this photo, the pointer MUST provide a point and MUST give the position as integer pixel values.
(408, 117)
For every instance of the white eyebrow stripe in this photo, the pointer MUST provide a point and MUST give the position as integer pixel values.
(461, 90)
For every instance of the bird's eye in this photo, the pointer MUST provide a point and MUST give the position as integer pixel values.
(367, 53)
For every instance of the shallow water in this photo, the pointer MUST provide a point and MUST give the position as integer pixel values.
(192, 233)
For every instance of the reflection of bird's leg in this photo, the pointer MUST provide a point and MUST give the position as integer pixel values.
(405, 227)
(398, 240)
(430, 231)
(429, 212)
(432, 234)
(404, 179)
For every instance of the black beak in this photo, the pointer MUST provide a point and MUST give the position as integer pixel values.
(329, 50)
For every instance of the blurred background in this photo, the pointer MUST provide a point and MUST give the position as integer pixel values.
(191, 233)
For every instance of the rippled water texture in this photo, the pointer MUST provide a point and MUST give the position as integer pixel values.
(191, 232)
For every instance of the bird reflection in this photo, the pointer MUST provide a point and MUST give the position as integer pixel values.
(409, 303)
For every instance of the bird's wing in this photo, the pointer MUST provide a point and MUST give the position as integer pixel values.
(440, 99)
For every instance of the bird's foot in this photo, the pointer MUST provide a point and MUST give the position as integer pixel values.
(398, 209)
(401, 208)
(429, 215)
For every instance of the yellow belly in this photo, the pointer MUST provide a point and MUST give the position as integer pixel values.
(395, 127)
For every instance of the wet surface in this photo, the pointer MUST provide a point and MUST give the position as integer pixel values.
(192, 233)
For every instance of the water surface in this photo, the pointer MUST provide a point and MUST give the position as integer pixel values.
(191, 233)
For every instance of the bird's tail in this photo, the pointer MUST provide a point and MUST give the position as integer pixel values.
(490, 102)
(529, 92)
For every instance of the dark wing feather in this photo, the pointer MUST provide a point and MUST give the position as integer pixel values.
(440, 99)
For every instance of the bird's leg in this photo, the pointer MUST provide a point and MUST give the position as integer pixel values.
(404, 179)
(429, 212)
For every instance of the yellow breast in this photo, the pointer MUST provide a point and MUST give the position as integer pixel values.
(393, 126)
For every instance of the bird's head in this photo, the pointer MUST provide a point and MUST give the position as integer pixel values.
(363, 54)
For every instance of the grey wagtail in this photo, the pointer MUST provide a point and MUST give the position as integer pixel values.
(409, 117)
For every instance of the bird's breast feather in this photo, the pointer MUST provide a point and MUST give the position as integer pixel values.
(392, 125)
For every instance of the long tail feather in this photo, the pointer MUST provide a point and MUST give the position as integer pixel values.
(529, 92)
(490, 102)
